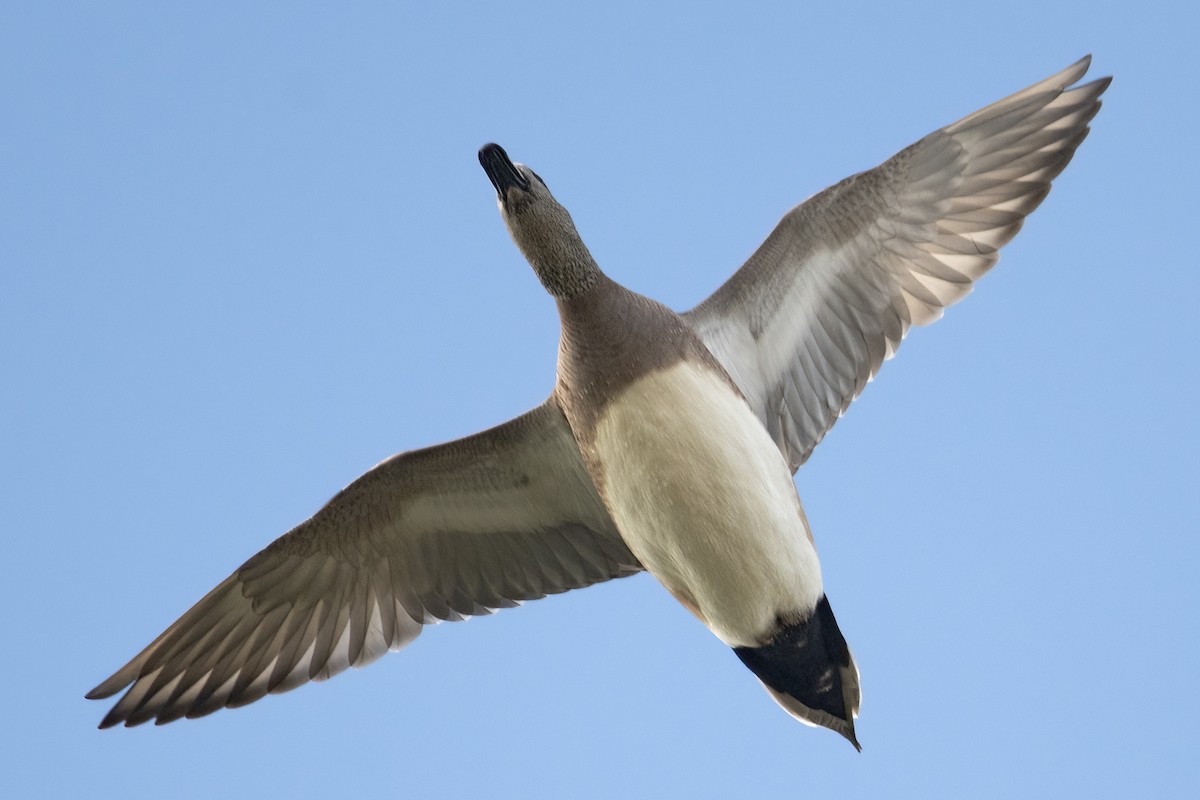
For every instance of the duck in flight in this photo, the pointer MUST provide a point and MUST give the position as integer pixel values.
(668, 443)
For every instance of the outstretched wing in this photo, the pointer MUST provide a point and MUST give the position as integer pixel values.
(456, 530)
(809, 319)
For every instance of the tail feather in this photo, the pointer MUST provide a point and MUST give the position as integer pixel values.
(807, 668)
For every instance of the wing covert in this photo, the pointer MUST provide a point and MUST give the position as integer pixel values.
(443, 533)
(827, 298)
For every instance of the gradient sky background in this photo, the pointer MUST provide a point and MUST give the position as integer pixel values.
(248, 253)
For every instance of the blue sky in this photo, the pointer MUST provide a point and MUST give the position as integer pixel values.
(246, 254)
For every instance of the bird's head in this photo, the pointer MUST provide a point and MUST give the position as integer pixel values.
(539, 225)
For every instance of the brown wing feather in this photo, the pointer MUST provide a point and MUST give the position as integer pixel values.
(439, 534)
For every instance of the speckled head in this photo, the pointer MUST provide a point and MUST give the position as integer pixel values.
(539, 225)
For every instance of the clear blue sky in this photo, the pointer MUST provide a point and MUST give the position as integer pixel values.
(246, 254)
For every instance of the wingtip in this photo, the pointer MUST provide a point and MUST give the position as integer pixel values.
(1082, 66)
(1074, 73)
(99, 693)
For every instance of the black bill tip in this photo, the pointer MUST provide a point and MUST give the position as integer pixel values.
(500, 170)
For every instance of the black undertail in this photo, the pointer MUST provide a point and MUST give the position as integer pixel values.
(808, 663)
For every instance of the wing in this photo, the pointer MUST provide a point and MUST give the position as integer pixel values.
(452, 531)
(811, 317)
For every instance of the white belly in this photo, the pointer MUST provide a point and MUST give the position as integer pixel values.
(704, 499)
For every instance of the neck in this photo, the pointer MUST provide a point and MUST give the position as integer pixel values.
(546, 235)
(567, 275)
